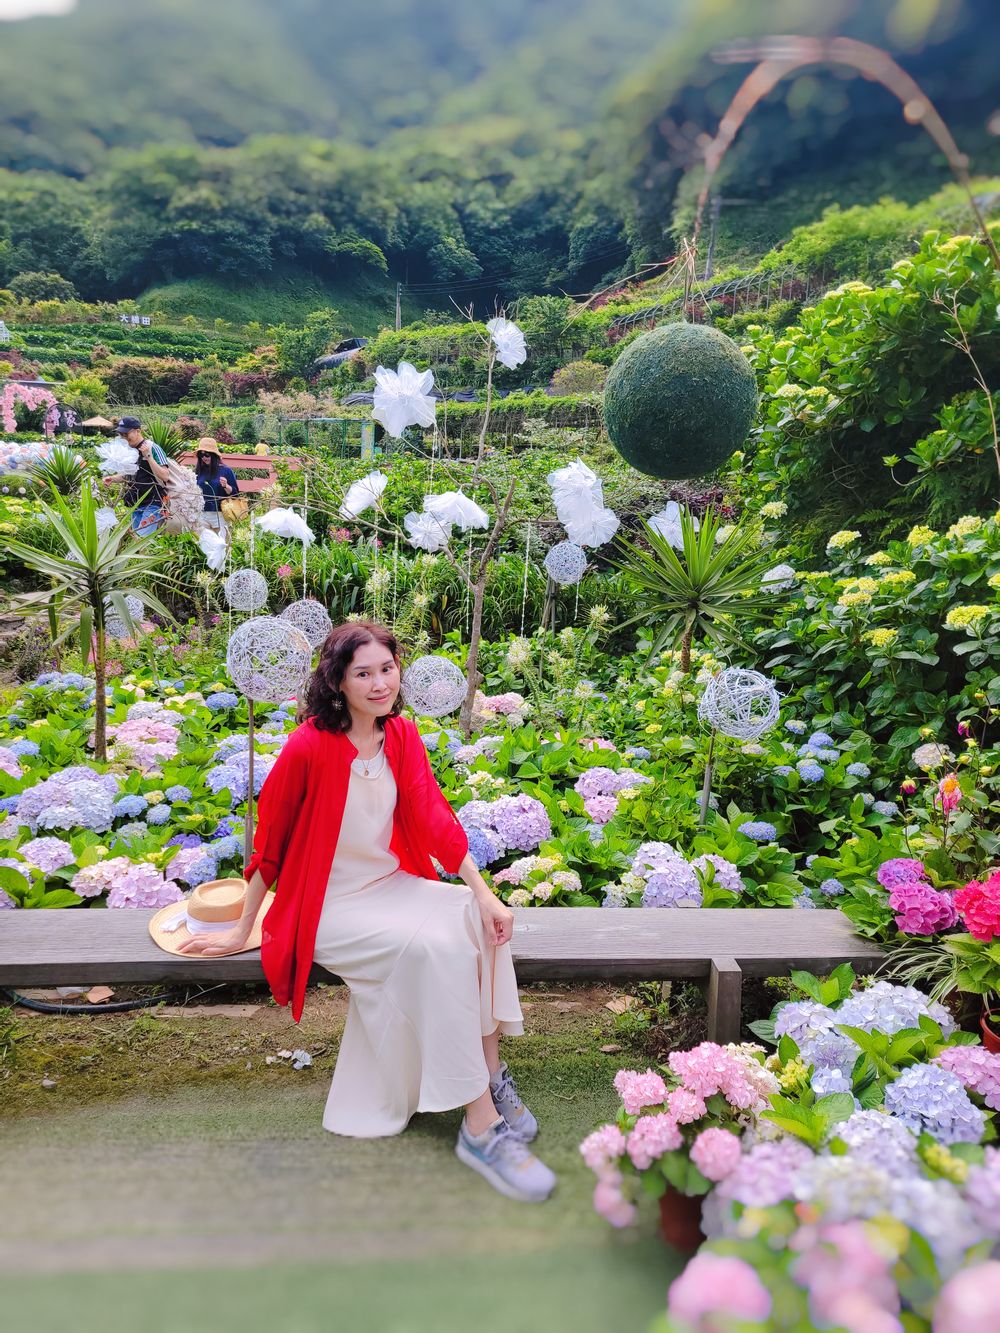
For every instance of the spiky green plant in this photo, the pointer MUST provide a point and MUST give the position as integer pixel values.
(167, 436)
(705, 590)
(63, 470)
(90, 579)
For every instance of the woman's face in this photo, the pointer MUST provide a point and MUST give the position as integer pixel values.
(371, 682)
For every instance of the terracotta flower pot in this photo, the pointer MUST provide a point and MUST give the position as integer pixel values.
(989, 1023)
(680, 1220)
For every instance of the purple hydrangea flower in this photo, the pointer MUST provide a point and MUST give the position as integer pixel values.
(891, 1008)
(132, 831)
(982, 1193)
(899, 870)
(766, 1174)
(831, 888)
(614, 896)
(48, 854)
(185, 840)
(726, 874)
(178, 793)
(75, 798)
(6, 901)
(803, 900)
(674, 886)
(638, 752)
(521, 821)
(758, 830)
(826, 1081)
(804, 1020)
(653, 856)
(931, 1100)
(873, 1136)
(160, 814)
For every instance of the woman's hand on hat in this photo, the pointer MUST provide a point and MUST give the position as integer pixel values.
(208, 946)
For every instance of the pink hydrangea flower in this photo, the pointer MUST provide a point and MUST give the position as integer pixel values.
(48, 854)
(969, 1301)
(721, 1285)
(9, 763)
(602, 1147)
(601, 808)
(685, 1106)
(638, 1091)
(920, 909)
(979, 907)
(92, 881)
(596, 743)
(285, 571)
(652, 1136)
(978, 1068)
(611, 1203)
(504, 704)
(716, 1153)
(143, 885)
(710, 1068)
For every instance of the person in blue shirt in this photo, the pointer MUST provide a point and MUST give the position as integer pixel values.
(217, 482)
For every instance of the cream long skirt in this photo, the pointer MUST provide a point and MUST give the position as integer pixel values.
(426, 984)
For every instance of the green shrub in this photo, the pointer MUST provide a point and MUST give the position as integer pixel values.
(579, 377)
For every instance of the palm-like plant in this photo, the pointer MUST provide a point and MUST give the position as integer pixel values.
(92, 577)
(703, 590)
(167, 436)
(63, 470)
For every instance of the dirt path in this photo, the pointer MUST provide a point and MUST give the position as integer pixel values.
(172, 1178)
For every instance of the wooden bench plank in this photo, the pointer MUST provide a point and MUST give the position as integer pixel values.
(76, 947)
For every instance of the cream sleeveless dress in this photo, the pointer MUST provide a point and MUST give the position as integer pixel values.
(426, 984)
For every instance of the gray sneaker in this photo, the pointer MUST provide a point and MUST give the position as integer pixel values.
(509, 1105)
(502, 1159)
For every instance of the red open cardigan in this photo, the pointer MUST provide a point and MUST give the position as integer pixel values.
(299, 818)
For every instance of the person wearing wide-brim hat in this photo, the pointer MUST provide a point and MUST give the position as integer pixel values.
(351, 823)
(217, 481)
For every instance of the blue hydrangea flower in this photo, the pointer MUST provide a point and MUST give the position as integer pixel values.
(810, 771)
(758, 830)
(928, 1099)
(887, 808)
(130, 806)
(831, 888)
(795, 727)
(867, 799)
(222, 701)
(225, 849)
(891, 1008)
(803, 900)
(23, 748)
(484, 848)
(783, 770)
(826, 755)
(804, 1021)
(201, 871)
(676, 885)
(825, 1081)
(226, 826)
(160, 814)
(638, 752)
(873, 1136)
(858, 770)
(8, 804)
(178, 793)
(811, 858)
(615, 896)
(820, 738)
(129, 833)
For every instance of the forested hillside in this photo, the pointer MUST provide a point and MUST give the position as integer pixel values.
(479, 153)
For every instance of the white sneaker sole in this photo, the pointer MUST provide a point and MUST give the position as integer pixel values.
(496, 1180)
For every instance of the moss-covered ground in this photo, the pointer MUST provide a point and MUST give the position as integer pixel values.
(158, 1174)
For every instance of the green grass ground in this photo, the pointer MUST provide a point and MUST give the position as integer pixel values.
(164, 1185)
(365, 303)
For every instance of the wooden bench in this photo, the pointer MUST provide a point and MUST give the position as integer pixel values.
(716, 946)
(261, 463)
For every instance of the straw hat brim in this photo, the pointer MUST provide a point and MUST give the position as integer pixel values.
(206, 445)
(171, 940)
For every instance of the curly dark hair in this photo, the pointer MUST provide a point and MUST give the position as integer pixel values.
(324, 702)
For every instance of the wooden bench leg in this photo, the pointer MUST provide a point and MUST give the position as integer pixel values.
(725, 993)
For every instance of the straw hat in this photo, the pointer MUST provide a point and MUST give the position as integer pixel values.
(206, 445)
(211, 908)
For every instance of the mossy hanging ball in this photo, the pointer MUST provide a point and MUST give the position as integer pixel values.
(679, 401)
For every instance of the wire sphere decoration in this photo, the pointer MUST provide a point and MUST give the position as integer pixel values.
(246, 590)
(268, 659)
(433, 686)
(740, 703)
(566, 563)
(309, 616)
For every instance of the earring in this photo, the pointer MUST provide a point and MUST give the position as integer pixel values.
(336, 702)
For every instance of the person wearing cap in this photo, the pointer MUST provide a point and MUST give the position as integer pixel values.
(146, 488)
(217, 482)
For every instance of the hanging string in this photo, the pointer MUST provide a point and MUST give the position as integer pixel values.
(395, 575)
(229, 570)
(576, 607)
(524, 594)
(305, 545)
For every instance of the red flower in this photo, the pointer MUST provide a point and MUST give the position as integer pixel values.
(979, 907)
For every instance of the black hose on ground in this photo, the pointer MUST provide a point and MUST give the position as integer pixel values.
(117, 1007)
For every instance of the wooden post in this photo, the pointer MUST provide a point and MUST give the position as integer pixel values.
(725, 994)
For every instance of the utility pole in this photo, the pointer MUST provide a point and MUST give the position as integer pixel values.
(399, 306)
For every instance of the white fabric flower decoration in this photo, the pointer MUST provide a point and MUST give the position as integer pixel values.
(427, 531)
(285, 523)
(106, 519)
(454, 507)
(403, 398)
(509, 342)
(592, 529)
(576, 479)
(668, 524)
(363, 494)
(117, 456)
(213, 544)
